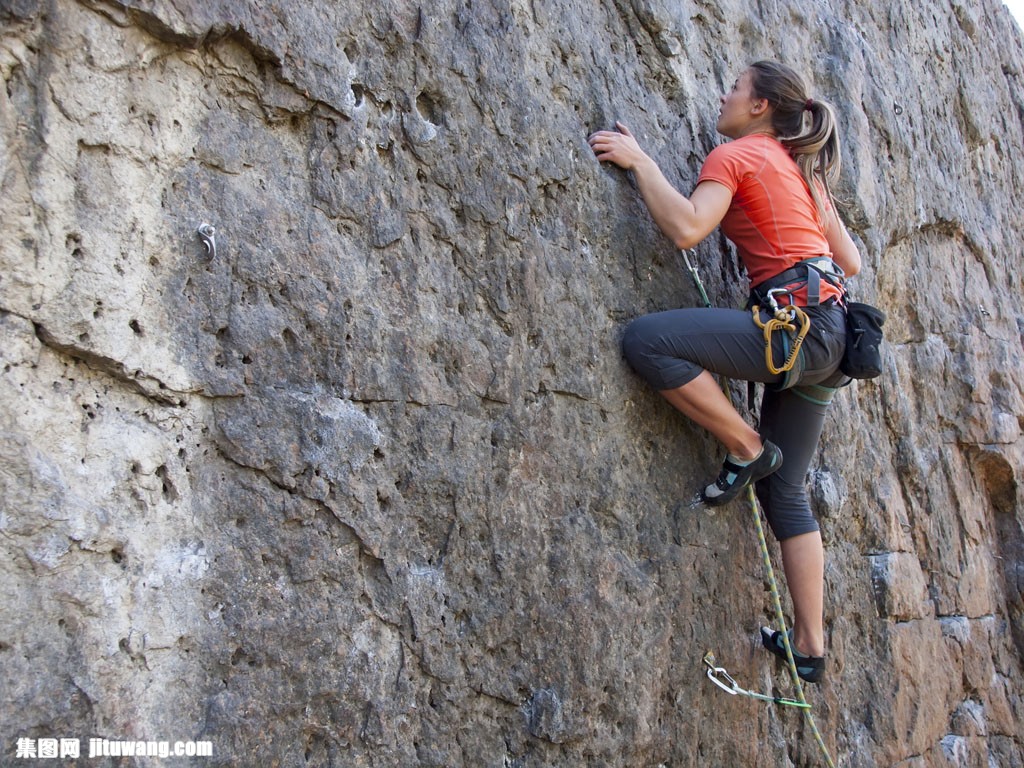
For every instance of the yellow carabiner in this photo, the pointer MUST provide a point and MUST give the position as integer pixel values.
(785, 319)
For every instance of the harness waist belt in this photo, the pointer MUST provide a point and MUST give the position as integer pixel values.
(808, 272)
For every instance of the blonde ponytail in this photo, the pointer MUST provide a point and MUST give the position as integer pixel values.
(814, 143)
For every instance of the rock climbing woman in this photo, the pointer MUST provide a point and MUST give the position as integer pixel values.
(769, 190)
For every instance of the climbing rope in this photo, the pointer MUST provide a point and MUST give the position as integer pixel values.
(780, 617)
(717, 674)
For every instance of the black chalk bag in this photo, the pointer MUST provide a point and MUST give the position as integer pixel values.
(863, 356)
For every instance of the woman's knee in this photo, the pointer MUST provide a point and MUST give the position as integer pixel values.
(647, 346)
(636, 342)
(786, 507)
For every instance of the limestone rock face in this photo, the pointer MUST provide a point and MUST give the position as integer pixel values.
(364, 480)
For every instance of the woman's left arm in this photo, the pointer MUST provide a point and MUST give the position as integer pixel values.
(686, 221)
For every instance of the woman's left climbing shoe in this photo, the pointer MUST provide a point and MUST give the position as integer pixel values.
(735, 476)
(810, 668)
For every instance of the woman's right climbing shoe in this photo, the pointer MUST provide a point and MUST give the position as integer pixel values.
(735, 476)
(810, 668)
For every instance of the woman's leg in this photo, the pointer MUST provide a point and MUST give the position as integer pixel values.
(674, 351)
(703, 401)
(803, 560)
(794, 423)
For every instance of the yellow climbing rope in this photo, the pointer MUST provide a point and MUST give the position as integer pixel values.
(780, 619)
(785, 318)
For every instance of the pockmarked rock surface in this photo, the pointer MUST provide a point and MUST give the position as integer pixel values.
(368, 483)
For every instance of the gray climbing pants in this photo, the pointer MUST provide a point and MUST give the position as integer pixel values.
(670, 349)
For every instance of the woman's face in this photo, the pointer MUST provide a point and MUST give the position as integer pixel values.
(737, 115)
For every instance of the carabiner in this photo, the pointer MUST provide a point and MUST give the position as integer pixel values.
(775, 305)
(714, 672)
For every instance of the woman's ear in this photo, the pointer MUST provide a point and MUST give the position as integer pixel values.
(759, 107)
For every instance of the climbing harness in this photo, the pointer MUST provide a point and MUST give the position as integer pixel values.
(806, 274)
(717, 674)
(723, 680)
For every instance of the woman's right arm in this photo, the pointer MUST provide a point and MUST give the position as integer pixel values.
(844, 250)
(686, 221)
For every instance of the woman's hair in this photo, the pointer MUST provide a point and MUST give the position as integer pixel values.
(815, 149)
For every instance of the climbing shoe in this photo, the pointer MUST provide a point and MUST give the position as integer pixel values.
(810, 668)
(736, 474)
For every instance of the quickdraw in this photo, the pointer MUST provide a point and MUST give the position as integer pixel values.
(696, 279)
(723, 680)
(784, 318)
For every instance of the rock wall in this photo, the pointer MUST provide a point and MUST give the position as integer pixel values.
(368, 482)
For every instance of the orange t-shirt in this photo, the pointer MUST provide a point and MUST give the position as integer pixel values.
(772, 218)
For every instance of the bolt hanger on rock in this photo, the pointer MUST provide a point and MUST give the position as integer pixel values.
(207, 233)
